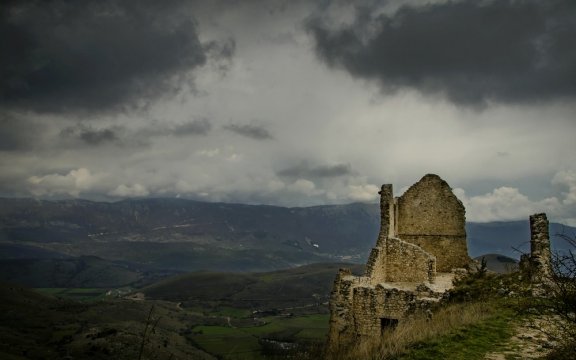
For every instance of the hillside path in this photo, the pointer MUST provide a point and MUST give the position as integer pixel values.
(532, 339)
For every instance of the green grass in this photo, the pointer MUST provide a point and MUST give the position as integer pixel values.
(471, 342)
(231, 312)
(242, 343)
(84, 294)
(226, 342)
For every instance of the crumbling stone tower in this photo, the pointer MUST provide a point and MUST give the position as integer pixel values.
(537, 264)
(422, 238)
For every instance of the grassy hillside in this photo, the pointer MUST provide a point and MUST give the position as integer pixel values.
(499, 263)
(274, 315)
(299, 287)
(229, 315)
(78, 272)
(35, 326)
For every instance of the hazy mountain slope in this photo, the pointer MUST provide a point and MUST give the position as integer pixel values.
(189, 235)
(85, 271)
(503, 237)
(185, 235)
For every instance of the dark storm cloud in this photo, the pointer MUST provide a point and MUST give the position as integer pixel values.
(307, 172)
(252, 131)
(92, 136)
(472, 51)
(94, 55)
(119, 135)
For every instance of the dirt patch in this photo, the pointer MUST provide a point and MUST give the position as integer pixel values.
(533, 338)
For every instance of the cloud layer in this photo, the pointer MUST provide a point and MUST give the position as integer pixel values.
(473, 52)
(232, 101)
(61, 56)
(508, 203)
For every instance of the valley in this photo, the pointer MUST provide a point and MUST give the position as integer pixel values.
(172, 278)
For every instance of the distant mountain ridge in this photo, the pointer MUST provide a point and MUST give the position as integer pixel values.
(187, 235)
(511, 238)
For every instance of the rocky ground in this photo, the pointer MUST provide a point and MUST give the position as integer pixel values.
(533, 339)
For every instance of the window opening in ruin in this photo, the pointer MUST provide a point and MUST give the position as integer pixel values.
(388, 324)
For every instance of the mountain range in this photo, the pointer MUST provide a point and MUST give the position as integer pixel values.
(143, 235)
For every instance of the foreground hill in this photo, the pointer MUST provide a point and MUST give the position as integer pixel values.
(499, 263)
(229, 315)
(36, 326)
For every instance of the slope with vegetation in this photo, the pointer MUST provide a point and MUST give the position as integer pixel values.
(489, 316)
(36, 326)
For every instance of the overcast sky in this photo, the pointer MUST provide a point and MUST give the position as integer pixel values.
(291, 103)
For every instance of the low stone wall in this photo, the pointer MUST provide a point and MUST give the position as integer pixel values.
(374, 305)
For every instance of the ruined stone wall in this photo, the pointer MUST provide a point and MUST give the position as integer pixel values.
(408, 263)
(539, 237)
(451, 252)
(387, 212)
(343, 309)
(376, 264)
(375, 303)
(341, 315)
(394, 260)
(420, 232)
(537, 264)
(432, 217)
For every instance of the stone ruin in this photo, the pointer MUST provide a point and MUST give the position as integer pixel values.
(536, 266)
(422, 241)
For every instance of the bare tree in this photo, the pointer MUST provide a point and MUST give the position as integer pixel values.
(561, 298)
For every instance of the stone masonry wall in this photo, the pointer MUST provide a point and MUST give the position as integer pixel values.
(447, 249)
(421, 231)
(372, 304)
(408, 262)
(539, 237)
(340, 310)
(431, 216)
(537, 265)
(394, 260)
(376, 264)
